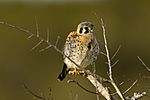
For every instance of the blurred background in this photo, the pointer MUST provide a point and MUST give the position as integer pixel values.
(127, 24)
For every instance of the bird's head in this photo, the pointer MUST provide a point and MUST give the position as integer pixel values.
(85, 28)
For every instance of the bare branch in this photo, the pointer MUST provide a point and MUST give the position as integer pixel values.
(58, 37)
(108, 56)
(48, 35)
(35, 35)
(37, 29)
(116, 52)
(32, 93)
(101, 89)
(96, 18)
(16, 27)
(30, 36)
(121, 83)
(45, 48)
(130, 87)
(37, 45)
(103, 53)
(143, 63)
(73, 81)
(109, 62)
(136, 96)
(97, 96)
(115, 63)
(146, 77)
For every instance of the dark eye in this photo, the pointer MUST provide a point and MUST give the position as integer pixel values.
(81, 29)
(86, 30)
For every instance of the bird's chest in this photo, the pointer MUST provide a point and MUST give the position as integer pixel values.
(76, 50)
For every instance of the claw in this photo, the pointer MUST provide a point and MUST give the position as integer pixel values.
(74, 72)
(78, 72)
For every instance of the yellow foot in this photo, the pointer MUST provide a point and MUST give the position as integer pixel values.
(74, 72)
(78, 72)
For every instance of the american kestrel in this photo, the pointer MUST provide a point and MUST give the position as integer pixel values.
(81, 47)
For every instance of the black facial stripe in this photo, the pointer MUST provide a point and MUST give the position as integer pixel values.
(81, 29)
(86, 29)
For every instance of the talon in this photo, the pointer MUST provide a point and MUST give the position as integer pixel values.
(74, 72)
(83, 73)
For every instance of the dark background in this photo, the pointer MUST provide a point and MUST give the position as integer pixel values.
(127, 24)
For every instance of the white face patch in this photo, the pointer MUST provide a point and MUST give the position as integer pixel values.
(84, 30)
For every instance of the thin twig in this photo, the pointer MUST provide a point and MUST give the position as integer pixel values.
(30, 36)
(56, 43)
(103, 53)
(114, 55)
(37, 29)
(109, 62)
(32, 93)
(121, 83)
(95, 14)
(47, 35)
(45, 48)
(143, 63)
(78, 84)
(37, 45)
(133, 84)
(136, 96)
(115, 63)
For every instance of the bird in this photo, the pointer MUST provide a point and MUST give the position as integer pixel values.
(80, 50)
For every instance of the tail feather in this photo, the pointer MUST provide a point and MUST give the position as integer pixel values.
(64, 72)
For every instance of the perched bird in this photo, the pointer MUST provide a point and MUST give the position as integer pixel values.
(81, 47)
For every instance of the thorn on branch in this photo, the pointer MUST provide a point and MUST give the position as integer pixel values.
(109, 60)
